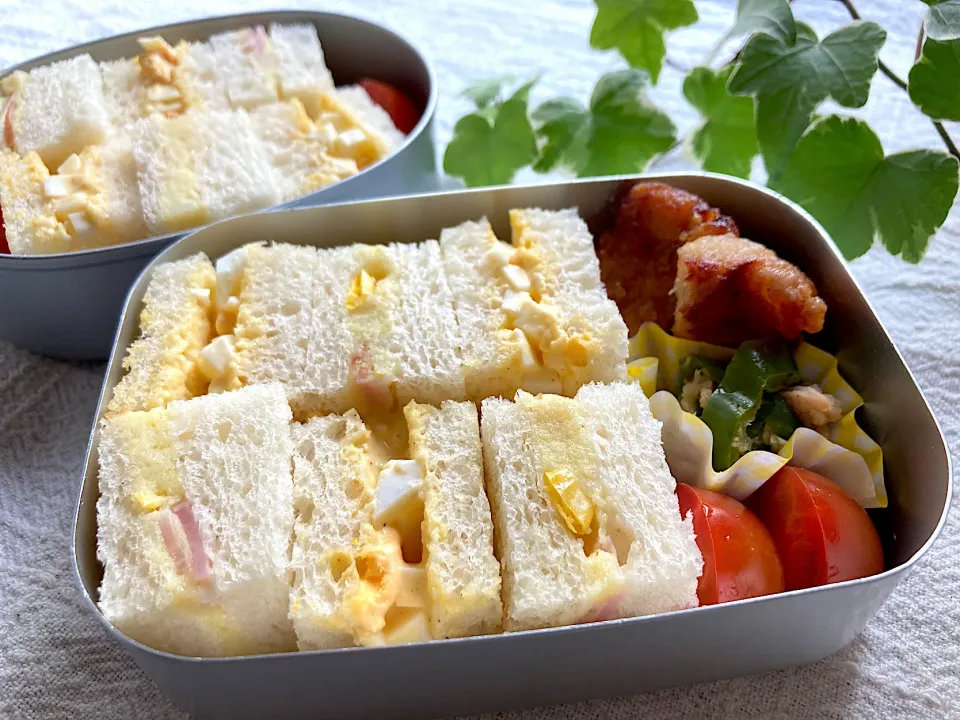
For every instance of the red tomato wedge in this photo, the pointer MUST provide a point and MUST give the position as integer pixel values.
(4, 247)
(398, 106)
(822, 535)
(739, 558)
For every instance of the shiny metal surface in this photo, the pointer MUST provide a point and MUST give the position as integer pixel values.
(67, 305)
(573, 663)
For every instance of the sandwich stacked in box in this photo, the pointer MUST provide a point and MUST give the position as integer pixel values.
(99, 154)
(364, 445)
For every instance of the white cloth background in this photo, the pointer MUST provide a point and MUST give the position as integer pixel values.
(56, 662)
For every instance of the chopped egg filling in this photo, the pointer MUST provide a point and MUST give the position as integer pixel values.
(361, 288)
(215, 359)
(570, 501)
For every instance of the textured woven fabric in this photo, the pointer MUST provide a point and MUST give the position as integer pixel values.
(56, 662)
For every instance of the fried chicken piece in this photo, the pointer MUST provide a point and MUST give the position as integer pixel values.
(637, 249)
(730, 289)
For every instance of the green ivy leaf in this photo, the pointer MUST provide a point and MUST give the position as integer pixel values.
(490, 145)
(727, 140)
(619, 133)
(933, 80)
(943, 19)
(790, 81)
(485, 92)
(839, 173)
(635, 28)
(773, 17)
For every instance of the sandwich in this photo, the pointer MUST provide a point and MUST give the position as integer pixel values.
(588, 526)
(393, 543)
(89, 201)
(194, 522)
(55, 110)
(362, 134)
(299, 150)
(363, 326)
(162, 79)
(370, 114)
(300, 68)
(175, 325)
(534, 314)
(200, 167)
(260, 68)
(310, 149)
(373, 327)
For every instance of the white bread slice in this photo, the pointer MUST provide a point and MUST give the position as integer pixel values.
(59, 109)
(247, 63)
(199, 79)
(131, 94)
(91, 201)
(639, 557)
(566, 331)
(397, 342)
(301, 71)
(122, 91)
(200, 167)
(463, 576)
(226, 459)
(548, 578)
(370, 114)
(642, 514)
(299, 152)
(175, 324)
(274, 318)
(344, 571)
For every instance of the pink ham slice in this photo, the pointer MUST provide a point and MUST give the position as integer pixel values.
(188, 521)
(198, 564)
(256, 39)
(374, 393)
(168, 531)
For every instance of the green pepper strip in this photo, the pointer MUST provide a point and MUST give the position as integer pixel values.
(776, 414)
(755, 367)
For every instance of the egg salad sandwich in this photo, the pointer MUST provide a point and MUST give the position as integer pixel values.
(162, 79)
(392, 543)
(260, 67)
(175, 326)
(55, 110)
(200, 167)
(300, 150)
(91, 200)
(194, 523)
(369, 327)
(533, 314)
(588, 526)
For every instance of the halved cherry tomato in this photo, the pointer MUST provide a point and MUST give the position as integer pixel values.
(4, 247)
(739, 558)
(398, 106)
(822, 535)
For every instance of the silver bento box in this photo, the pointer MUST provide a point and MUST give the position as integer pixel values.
(451, 677)
(67, 305)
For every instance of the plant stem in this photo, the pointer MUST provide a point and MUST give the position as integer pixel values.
(946, 139)
(898, 81)
(670, 62)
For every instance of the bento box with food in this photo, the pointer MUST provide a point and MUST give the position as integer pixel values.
(111, 150)
(376, 459)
